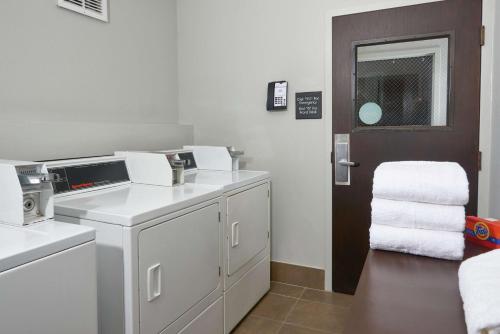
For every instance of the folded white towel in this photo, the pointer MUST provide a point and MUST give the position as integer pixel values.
(479, 281)
(443, 245)
(418, 215)
(422, 181)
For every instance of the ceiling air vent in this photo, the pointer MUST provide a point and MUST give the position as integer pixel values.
(94, 8)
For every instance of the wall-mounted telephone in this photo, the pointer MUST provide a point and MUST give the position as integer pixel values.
(277, 95)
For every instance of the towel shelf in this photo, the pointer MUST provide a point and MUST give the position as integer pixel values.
(402, 287)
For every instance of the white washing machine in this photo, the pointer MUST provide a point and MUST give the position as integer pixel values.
(47, 279)
(247, 238)
(246, 225)
(47, 268)
(246, 215)
(158, 248)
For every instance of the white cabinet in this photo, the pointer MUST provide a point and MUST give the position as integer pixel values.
(179, 265)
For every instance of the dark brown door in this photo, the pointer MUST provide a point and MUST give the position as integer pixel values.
(406, 86)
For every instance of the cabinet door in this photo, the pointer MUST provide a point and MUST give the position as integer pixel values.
(247, 226)
(179, 264)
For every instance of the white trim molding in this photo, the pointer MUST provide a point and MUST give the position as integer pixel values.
(438, 48)
(490, 10)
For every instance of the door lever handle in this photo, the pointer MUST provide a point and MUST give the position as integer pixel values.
(344, 162)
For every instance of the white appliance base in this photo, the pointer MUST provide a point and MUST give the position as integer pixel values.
(245, 293)
(209, 321)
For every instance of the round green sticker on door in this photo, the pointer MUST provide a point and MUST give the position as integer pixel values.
(370, 113)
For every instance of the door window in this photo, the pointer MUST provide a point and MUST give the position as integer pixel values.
(402, 84)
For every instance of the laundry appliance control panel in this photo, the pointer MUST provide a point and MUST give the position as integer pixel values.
(79, 177)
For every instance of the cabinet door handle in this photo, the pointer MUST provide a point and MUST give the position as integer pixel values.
(154, 282)
(235, 234)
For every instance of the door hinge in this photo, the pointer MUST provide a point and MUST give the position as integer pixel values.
(219, 217)
(268, 234)
(331, 157)
(480, 160)
(268, 192)
(483, 35)
(220, 270)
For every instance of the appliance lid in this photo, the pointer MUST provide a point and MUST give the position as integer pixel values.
(226, 179)
(21, 245)
(134, 203)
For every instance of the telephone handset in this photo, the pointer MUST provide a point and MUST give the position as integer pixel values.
(277, 95)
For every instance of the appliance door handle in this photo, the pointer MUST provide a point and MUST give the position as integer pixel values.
(154, 282)
(235, 234)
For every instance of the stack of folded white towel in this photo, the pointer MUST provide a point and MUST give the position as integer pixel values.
(479, 281)
(418, 208)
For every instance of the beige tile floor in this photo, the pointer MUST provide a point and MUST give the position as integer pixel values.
(290, 309)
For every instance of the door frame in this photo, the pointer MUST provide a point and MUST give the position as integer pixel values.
(486, 109)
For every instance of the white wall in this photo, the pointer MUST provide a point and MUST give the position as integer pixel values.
(493, 37)
(228, 51)
(75, 72)
(46, 140)
(489, 97)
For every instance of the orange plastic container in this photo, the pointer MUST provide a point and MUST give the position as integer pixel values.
(484, 232)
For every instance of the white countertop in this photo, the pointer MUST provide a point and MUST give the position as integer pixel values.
(23, 244)
(132, 204)
(226, 179)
